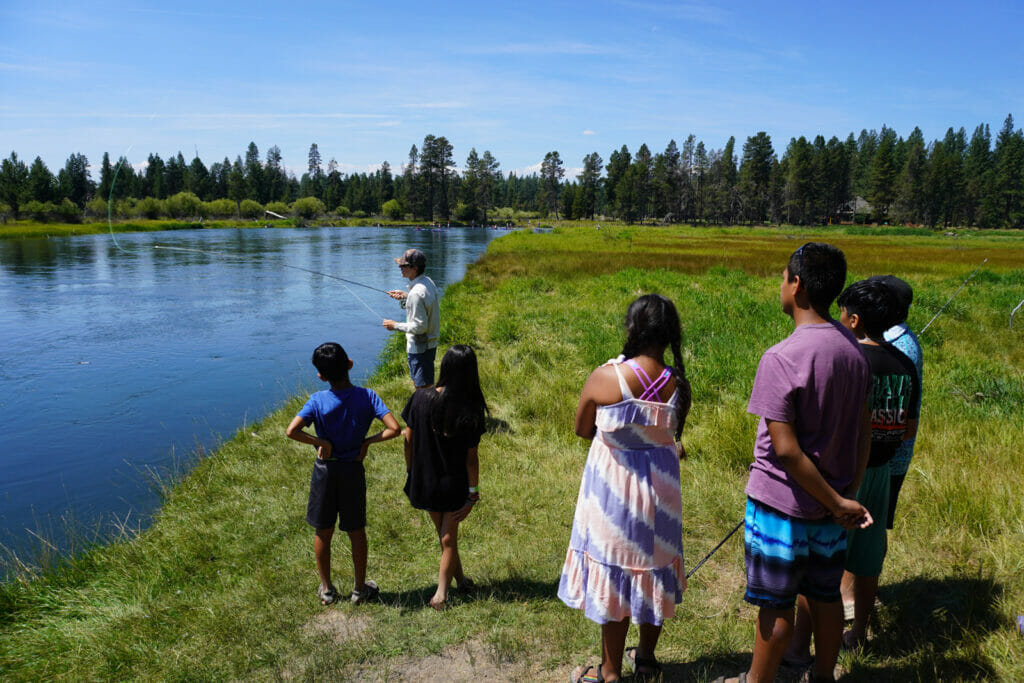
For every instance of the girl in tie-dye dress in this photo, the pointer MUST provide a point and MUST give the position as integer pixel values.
(625, 558)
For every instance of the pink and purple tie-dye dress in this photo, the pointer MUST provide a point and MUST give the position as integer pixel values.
(625, 555)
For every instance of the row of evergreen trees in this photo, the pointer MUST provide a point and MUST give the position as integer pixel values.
(876, 176)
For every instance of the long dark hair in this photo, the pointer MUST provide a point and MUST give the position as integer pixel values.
(652, 321)
(460, 408)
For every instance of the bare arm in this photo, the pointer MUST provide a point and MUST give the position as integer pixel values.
(601, 389)
(473, 471)
(294, 431)
(407, 432)
(473, 465)
(846, 511)
(390, 431)
(911, 429)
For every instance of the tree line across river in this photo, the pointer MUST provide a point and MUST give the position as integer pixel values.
(877, 176)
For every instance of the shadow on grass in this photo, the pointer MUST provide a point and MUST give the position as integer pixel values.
(927, 629)
(496, 425)
(931, 628)
(505, 590)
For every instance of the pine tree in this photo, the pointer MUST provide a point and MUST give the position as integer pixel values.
(978, 177)
(755, 176)
(551, 174)
(590, 183)
(883, 174)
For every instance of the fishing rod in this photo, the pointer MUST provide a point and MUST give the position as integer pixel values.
(343, 280)
(275, 260)
(715, 549)
(969, 277)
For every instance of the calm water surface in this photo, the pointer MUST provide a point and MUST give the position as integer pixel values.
(118, 361)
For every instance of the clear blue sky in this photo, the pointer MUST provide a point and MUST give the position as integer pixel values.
(366, 80)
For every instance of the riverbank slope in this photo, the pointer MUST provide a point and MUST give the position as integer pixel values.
(222, 585)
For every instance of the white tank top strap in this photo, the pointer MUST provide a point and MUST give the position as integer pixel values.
(623, 386)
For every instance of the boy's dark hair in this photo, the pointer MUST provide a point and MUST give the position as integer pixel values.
(822, 271)
(903, 296)
(331, 361)
(873, 302)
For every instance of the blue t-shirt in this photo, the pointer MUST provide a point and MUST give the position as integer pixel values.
(343, 417)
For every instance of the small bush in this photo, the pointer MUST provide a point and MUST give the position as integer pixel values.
(96, 207)
(183, 205)
(68, 211)
(251, 209)
(148, 207)
(308, 207)
(393, 209)
(221, 208)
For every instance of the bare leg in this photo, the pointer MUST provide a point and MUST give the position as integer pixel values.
(649, 634)
(799, 650)
(865, 588)
(448, 534)
(359, 552)
(827, 618)
(771, 638)
(322, 551)
(613, 642)
(847, 588)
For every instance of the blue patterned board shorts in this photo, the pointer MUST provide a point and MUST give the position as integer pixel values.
(787, 556)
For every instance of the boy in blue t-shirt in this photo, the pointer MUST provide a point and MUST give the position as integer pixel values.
(342, 416)
(867, 310)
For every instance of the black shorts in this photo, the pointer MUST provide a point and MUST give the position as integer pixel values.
(337, 493)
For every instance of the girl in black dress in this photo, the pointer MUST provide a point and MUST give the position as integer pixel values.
(444, 428)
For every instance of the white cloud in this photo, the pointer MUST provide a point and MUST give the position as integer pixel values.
(589, 132)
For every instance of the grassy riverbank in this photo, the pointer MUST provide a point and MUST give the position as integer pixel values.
(223, 585)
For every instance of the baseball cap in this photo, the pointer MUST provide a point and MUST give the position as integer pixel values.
(412, 257)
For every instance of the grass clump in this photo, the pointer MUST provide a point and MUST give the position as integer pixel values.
(222, 585)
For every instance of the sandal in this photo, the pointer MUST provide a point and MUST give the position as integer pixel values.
(369, 592)
(639, 662)
(327, 597)
(581, 674)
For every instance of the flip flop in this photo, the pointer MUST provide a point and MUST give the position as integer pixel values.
(580, 674)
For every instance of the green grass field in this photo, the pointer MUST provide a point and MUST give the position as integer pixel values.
(222, 585)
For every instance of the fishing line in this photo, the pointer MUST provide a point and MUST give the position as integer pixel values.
(969, 277)
(288, 265)
(110, 226)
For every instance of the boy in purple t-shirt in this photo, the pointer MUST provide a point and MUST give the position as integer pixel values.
(337, 493)
(810, 452)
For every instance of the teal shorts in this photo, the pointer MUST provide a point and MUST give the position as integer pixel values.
(866, 548)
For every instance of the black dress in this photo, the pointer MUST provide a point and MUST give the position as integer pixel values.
(437, 480)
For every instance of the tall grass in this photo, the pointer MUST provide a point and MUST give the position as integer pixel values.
(222, 585)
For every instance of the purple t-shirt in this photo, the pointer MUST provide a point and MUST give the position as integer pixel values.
(817, 379)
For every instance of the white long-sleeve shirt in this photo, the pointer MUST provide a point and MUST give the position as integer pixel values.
(422, 324)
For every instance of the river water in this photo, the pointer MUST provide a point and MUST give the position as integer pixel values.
(122, 357)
